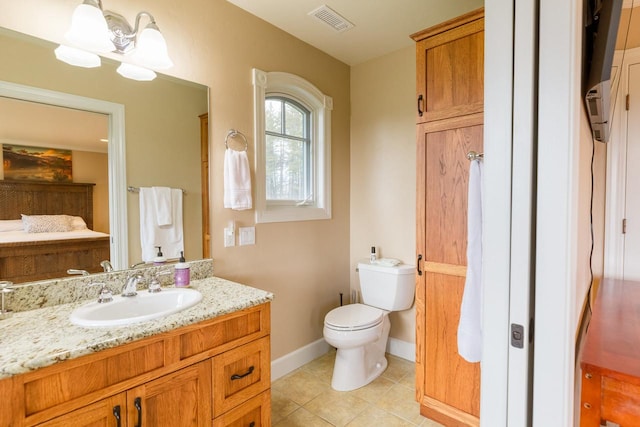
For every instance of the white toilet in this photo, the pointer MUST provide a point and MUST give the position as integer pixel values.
(360, 331)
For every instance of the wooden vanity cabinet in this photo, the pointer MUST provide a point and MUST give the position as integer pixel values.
(449, 59)
(216, 372)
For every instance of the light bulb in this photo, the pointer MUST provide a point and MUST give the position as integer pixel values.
(135, 72)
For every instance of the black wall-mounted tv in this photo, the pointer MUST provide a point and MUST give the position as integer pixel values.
(601, 21)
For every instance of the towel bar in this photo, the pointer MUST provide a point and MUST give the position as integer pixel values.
(131, 189)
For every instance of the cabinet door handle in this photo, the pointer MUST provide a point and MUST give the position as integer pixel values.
(420, 99)
(253, 423)
(240, 376)
(418, 265)
(116, 414)
(138, 404)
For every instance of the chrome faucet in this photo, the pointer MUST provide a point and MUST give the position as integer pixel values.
(74, 271)
(131, 286)
(106, 266)
(137, 264)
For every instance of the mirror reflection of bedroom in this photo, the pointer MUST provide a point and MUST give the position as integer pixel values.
(155, 130)
(55, 190)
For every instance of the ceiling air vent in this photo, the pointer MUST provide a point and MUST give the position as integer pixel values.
(332, 18)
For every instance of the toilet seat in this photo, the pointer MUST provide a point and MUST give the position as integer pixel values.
(354, 317)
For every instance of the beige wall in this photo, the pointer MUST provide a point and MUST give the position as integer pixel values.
(383, 167)
(93, 167)
(306, 264)
(161, 119)
(629, 30)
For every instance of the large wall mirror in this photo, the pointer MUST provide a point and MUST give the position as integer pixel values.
(122, 133)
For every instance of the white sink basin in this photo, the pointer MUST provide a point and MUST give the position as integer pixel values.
(140, 308)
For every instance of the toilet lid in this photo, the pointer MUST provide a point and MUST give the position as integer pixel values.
(353, 317)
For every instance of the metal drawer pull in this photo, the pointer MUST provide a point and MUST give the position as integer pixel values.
(253, 423)
(138, 404)
(420, 112)
(237, 376)
(116, 413)
(418, 265)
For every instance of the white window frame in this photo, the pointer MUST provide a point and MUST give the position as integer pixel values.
(320, 106)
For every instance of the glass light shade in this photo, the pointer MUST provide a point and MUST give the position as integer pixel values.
(89, 29)
(77, 57)
(151, 49)
(135, 72)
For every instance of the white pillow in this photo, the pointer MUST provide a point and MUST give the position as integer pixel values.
(11, 225)
(77, 223)
(46, 223)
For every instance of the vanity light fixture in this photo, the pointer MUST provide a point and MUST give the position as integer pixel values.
(95, 31)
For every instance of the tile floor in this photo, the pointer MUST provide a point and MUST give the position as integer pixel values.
(304, 397)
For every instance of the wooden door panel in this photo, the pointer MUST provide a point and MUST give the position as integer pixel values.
(448, 377)
(446, 187)
(454, 77)
(100, 414)
(180, 399)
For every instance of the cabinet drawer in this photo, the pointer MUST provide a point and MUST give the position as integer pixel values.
(256, 412)
(240, 374)
(226, 332)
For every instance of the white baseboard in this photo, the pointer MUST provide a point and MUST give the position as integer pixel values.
(300, 357)
(403, 349)
(297, 358)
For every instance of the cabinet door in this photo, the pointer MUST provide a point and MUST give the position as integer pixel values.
(448, 386)
(179, 399)
(109, 412)
(450, 72)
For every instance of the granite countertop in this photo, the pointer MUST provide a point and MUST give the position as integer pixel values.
(33, 339)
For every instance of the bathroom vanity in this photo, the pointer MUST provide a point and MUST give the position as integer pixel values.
(208, 365)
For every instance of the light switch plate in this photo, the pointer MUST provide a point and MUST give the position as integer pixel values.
(229, 237)
(247, 236)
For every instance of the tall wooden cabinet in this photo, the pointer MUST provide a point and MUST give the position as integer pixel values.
(449, 124)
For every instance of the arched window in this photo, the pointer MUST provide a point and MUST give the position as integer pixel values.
(293, 149)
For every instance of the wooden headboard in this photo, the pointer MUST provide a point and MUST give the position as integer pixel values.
(46, 198)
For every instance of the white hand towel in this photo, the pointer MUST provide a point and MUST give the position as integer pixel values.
(237, 180)
(162, 197)
(169, 237)
(470, 325)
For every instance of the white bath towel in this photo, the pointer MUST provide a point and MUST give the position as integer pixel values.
(162, 197)
(237, 180)
(169, 237)
(470, 326)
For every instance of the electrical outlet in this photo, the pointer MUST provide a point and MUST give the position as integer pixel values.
(229, 237)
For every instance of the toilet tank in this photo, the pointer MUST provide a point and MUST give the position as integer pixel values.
(388, 288)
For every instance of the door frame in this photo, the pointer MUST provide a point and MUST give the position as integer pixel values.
(498, 119)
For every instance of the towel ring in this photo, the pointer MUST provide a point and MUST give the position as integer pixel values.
(232, 134)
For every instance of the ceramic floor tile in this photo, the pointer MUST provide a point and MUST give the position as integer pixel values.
(373, 416)
(322, 367)
(281, 406)
(305, 398)
(373, 391)
(336, 407)
(302, 418)
(400, 401)
(300, 386)
(397, 368)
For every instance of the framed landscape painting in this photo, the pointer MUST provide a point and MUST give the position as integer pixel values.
(36, 163)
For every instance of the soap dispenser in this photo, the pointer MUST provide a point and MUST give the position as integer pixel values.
(159, 259)
(182, 272)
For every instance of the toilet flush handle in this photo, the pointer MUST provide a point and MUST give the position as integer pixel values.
(418, 264)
